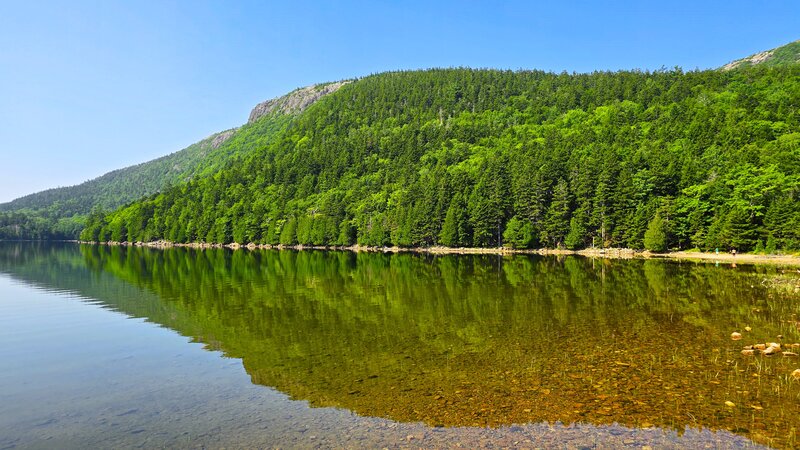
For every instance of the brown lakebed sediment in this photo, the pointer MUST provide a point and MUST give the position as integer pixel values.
(476, 340)
(627, 378)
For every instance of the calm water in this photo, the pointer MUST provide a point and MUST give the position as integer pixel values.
(129, 347)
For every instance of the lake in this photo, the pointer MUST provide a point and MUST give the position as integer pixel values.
(136, 347)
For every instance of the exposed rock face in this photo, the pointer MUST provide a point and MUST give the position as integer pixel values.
(219, 138)
(754, 59)
(295, 101)
(787, 54)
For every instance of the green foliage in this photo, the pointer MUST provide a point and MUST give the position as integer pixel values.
(27, 224)
(655, 238)
(557, 220)
(519, 233)
(456, 230)
(41, 215)
(576, 237)
(289, 232)
(462, 157)
(788, 54)
(770, 248)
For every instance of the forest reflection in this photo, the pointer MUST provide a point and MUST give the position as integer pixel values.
(466, 340)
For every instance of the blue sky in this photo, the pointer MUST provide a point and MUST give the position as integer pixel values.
(88, 87)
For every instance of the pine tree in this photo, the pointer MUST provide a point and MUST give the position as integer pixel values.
(289, 232)
(455, 230)
(576, 237)
(655, 238)
(771, 247)
(519, 233)
(556, 225)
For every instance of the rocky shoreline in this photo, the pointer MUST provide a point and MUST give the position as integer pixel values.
(611, 253)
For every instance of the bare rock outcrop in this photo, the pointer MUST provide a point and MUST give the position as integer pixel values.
(758, 58)
(295, 101)
(219, 138)
(784, 55)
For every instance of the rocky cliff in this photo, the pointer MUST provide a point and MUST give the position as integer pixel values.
(785, 55)
(295, 101)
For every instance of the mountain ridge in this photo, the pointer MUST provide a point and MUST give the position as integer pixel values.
(779, 56)
(528, 159)
(296, 101)
(440, 102)
(59, 212)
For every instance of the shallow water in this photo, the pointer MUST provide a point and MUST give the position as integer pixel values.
(127, 347)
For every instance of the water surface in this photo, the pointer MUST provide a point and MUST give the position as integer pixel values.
(119, 346)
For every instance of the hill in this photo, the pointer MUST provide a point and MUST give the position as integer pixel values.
(123, 185)
(61, 212)
(788, 54)
(462, 157)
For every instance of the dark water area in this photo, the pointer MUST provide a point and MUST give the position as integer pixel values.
(134, 347)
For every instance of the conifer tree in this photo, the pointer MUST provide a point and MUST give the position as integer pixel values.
(655, 238)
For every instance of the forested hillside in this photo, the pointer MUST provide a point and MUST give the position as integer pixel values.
(462, 157)
(60, 213)
(126, 184)
(785, 55)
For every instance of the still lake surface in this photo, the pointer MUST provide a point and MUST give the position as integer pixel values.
(133, 347)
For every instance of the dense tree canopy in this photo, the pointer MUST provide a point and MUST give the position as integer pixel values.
(61, 213)
(463, 157)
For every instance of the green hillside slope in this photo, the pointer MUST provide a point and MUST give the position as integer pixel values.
(464, 157)
(785, 55)
(123, 185)
(60, 213)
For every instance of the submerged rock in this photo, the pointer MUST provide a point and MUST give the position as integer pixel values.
(736, 335)
(796, 374)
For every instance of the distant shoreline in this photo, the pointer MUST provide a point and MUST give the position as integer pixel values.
(610, 253)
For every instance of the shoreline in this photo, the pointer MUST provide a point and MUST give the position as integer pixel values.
(607, 253)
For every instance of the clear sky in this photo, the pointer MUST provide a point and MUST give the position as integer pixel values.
(88, 87)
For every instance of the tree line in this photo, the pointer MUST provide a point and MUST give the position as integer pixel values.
(61, 213)
(527, 159)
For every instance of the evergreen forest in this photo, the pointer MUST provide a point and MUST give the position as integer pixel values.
(61, 213)
(669, 159)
